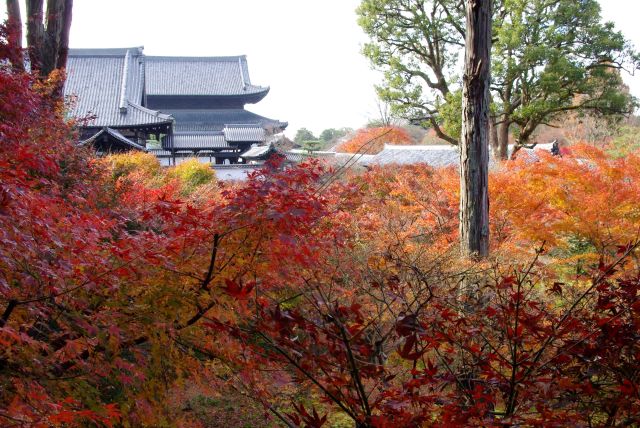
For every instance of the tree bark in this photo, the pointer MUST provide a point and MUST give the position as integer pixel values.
(35, 32)
(503, 138)
(48, 45)
(57, 35)
(494, 142)
(14, 36)
(63, 46)
(474, 150)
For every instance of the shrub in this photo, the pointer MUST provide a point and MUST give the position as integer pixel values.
(124, 164)
(192, 174)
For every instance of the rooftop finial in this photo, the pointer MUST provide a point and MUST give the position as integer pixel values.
(123, 85)
(244, 81)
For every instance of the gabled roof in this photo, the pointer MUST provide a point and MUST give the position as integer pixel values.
(257, 152)
(109, 85)
(113, 84)
(200, 76)
(113, 134)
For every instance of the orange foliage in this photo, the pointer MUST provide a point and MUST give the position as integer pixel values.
(126, 290)
(372, 140)
(409, 207)
(581, 204)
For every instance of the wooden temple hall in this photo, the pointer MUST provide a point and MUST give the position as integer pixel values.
(173, 107)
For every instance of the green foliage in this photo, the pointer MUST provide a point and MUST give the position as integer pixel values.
(450, 113)
(548, 58)
(626, 142)
(416, 50)
(312, 145)
(340, 420)
(331, 134)
(303, 135)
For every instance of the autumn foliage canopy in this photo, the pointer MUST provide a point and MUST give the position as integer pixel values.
(372, 140)
(132, 295)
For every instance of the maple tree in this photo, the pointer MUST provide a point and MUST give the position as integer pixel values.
(50, 295)
(108, 267)
(389, 341)
(585, 200)
(372, 140)
(129, 291)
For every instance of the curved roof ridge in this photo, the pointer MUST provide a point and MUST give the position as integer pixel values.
(225, 58)
(137, 50)
(242, 125)
(154, 113)
(115, 134)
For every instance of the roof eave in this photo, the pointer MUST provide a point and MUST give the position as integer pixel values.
(254, 96)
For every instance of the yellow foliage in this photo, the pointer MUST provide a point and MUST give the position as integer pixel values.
(192, 174)
(124, 164)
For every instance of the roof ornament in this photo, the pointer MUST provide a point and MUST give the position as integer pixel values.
(244, 82)
(123, 85)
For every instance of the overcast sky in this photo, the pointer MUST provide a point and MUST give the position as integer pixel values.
(307, 51)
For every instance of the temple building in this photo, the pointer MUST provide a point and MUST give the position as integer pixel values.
(173, 107)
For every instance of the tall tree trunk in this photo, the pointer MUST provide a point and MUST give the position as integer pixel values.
(56, 35)
(35, 32)
(48, 40)
(63, 46)
(494, 142)
(48, 45)
(14, 27)
(474, 150)
(503, 138)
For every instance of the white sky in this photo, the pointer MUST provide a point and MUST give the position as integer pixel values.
(307, 51)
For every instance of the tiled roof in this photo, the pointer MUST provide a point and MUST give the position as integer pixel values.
(302, 155)
(436, 155)
(238, 133)
(104, 51)
(200, 141)
(108, 84)
(351, 158)
(159, 152)
(216, 120)
(115, 134)
(432, 155)
(112, 84)
(213, 76)
(293, 157)
(257, 151)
